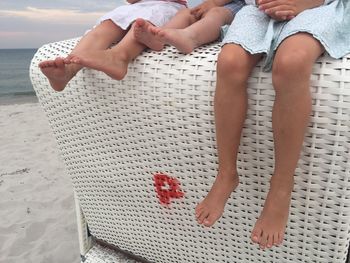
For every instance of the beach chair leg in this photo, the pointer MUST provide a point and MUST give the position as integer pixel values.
(85, 238)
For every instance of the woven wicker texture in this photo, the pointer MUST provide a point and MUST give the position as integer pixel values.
(114, 136)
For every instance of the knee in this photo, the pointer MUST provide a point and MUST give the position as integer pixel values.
(104, 29)
(218, 10)
(107, 26)
(232, 65)
(291, 67)
(220, 13)
(185, 14)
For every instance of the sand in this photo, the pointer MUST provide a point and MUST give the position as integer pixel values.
(37, 213)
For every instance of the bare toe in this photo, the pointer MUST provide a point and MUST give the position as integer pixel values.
(263, 241)
(139, 22)
(199, 210)
(76, 60)
(280, 238)
(68, 59)
(256, 234)
(42, 64)
(59, 62)
(209, 221)
(47, 63)
(51, 63)
(270, 241)
(202, 216)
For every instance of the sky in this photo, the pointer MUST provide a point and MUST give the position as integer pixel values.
(32, 23)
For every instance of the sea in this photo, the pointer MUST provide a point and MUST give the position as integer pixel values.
(15, 85)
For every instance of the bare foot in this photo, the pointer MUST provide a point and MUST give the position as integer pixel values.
(113, 64)
(57, 73)
(179, 38)
(144, 34)
(212, 207)
(270, 227)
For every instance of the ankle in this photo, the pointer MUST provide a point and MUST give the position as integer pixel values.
(192, 37)
(230, 174)
(122, 56)
(227, 167)
(73, 69)
(282, 184)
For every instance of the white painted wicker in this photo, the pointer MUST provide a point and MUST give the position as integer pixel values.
(85, 240)
(115, 135)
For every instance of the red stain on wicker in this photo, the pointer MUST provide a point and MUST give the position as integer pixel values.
(167, 188)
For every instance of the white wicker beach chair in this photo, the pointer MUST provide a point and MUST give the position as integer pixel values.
(116, 137)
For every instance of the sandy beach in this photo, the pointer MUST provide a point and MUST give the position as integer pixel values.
(37, 213)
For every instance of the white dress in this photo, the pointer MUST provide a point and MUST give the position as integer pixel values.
(155, 11)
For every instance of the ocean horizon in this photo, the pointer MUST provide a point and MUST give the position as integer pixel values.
(15, 84)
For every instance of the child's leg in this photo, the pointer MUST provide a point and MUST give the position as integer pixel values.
(291, 76)
(101, 37)
(114, 62)
(233, 69)
(205, 30)
(144, 30)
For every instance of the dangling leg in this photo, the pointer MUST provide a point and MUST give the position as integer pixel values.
(233, 69)
(114, 62)
(60, 71)
(291, 76)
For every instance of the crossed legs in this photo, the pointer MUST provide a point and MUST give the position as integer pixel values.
(93, 51)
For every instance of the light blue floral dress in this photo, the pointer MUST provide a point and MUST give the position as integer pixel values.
(258, 33)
